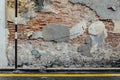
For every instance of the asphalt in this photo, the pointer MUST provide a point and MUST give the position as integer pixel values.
(7, 76)
(59, 78)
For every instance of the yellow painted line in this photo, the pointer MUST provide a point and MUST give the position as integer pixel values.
(59, 75)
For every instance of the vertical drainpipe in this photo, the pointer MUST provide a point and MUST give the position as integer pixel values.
(16, 34)
(3, 37)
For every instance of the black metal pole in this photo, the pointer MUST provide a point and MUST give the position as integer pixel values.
(16, 29)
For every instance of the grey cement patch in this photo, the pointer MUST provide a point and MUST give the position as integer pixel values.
(85, 50)
(55, 32)
(101, 7)
(40, 3)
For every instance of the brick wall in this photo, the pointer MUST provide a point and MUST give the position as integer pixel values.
(69, 14)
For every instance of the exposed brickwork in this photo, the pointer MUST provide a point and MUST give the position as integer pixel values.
(69, 15)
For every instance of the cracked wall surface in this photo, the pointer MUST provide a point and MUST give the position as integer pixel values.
(35, 50)
(105, 9)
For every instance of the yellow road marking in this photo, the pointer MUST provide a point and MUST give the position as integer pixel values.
(59, 75)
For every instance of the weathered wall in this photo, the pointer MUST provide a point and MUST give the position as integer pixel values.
(43, 52)
(69, 15)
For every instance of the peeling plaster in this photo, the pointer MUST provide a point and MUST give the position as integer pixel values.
(101, 8)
